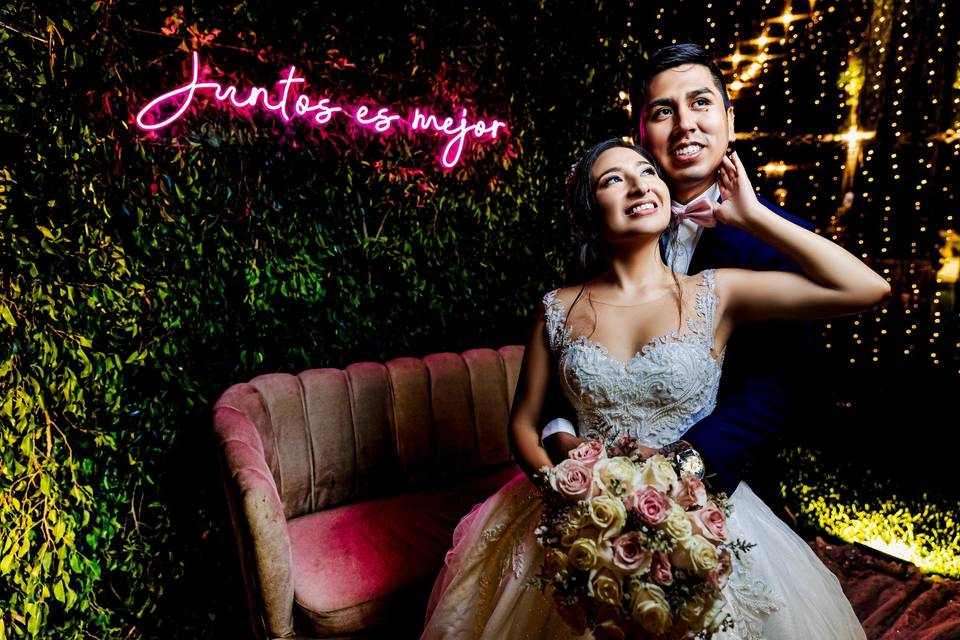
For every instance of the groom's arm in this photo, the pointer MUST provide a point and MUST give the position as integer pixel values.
(562, 434)
(765, 374)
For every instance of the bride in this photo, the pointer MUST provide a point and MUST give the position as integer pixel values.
(638, 351)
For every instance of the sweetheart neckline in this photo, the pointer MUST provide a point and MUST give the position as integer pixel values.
(647, 348)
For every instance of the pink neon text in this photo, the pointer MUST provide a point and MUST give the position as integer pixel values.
(228, 94)
(320, 112)
(453, 150)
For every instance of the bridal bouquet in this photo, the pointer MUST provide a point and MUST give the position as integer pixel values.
(630, 548)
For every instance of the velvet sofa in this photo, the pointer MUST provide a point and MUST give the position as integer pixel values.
(345, 485)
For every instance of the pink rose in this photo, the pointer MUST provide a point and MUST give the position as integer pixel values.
(588, 453)
(717, 578)
(690, 492)
(652, 505)
(660, 570)
(710, 522)
(572, 480)
(630, 553)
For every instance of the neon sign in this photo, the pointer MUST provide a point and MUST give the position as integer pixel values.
(315, 111)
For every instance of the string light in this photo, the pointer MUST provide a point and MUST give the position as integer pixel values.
(878, 177)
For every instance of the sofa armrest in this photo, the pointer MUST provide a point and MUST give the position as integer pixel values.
(257, 511)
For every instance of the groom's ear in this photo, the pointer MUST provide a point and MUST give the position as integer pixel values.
(731, 132)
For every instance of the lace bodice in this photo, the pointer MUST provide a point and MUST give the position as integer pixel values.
(657, 395)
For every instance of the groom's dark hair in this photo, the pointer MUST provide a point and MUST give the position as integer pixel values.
(678, 55)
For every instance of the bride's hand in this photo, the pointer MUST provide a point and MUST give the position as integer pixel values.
(739, 199)
(559, 444)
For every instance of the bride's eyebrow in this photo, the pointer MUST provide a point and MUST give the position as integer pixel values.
(639, 163)
(610, 170)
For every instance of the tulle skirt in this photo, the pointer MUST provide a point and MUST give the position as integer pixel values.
(486, 588)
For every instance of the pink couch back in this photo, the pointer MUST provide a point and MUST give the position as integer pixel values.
(332, 436)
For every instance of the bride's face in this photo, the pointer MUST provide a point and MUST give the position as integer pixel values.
(631, 198)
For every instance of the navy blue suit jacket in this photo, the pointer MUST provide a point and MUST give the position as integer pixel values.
(765, 367)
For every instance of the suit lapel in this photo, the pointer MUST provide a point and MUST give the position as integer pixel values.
(704, 254)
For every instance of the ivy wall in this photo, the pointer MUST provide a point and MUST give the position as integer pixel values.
(142, 274)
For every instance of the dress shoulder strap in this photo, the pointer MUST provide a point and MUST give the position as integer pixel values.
(707, 304)
(553, 317)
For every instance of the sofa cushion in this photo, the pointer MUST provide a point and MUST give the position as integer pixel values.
(351, 563)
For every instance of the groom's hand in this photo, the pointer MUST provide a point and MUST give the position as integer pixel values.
(559, 444)
(739, 199)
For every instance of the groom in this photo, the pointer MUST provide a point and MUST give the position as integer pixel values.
(686, 121)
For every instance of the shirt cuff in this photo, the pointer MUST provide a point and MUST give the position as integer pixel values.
(557, 425)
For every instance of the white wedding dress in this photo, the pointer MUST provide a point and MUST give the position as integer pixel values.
(781, 591)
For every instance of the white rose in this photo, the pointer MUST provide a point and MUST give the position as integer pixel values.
(678, 525)
(714, 616)
(658, 471)
(650, 608)
(604, 585)
(695, 554)
(615, 476)
(693, 608)
(583, 554)
(608, 514)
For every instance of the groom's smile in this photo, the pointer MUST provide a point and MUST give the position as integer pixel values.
(687, 128)
(687, 151)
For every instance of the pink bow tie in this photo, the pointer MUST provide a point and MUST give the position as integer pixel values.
(703, 212)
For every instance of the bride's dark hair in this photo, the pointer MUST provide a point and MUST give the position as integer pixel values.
(585, 217)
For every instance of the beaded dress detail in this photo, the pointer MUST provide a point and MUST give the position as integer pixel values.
(486, 589)
(668, 386)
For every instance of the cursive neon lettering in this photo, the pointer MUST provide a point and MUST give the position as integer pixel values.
(326, 113)
(291, 79)
(190, 88)
(421, 121)
(222, 94)
(385, 120)
(302, 105)
(157, 113)
(454, 148)
(382, 121)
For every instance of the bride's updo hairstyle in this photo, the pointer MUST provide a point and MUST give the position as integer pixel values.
(585, 215)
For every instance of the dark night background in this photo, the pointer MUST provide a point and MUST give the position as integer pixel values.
(141, 275)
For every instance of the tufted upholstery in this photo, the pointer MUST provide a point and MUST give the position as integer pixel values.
(333, 451)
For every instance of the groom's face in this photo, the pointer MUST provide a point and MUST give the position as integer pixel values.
(687, 128)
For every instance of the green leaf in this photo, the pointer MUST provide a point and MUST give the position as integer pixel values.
(5, 313)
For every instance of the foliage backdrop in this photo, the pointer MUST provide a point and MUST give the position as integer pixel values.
(142, 275)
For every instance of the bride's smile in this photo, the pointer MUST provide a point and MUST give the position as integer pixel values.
(631, 198)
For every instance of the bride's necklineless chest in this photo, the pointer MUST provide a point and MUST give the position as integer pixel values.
(657, 297)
